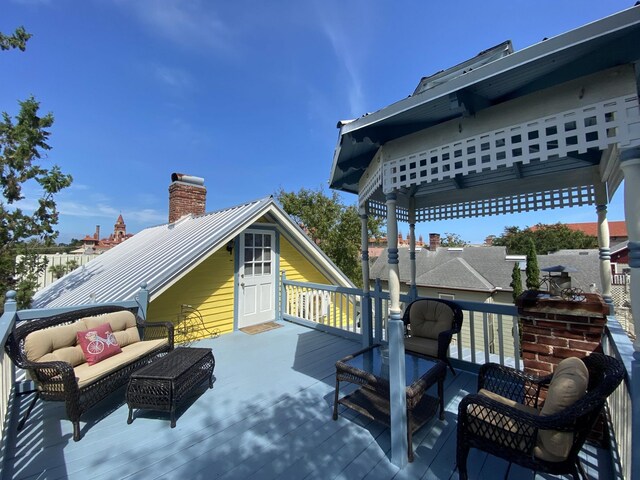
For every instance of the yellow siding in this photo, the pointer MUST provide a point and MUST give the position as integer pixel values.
(341, 311)
(297, 267)
(209, 288)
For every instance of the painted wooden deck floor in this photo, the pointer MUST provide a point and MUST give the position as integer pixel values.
(267, 417)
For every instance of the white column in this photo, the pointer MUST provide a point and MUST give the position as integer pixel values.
(395, 331)
(366, 326)
(630, 163)
(603, 245)
(412, 246)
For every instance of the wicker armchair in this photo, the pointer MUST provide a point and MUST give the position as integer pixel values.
(55, 380)
(504, 420)
(430, 324)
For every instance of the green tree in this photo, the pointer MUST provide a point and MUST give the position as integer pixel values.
(516, 281)
(61, 270)
(17, 40)
(333, 226)
(453, 240)
(546, 238)
(58, 271)
(533, 271)
(23, 141)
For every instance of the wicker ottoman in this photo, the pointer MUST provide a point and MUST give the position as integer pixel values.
(166, 382)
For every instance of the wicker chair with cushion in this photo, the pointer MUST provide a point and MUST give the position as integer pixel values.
(430, 324)
(505, 419)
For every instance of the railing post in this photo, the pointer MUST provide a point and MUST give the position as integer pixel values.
(283, 296)
(143, 300)
(413, 289)
(395, 331)
(630, 165)
(378, 310)
(366, 328)
(603, 246)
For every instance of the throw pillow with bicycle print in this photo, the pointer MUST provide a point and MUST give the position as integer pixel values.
(98, 343)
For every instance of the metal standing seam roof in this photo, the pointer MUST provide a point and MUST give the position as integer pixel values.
(157, 255)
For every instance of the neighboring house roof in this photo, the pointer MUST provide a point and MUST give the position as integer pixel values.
(618, 247)
(483, 268)
(161, 255)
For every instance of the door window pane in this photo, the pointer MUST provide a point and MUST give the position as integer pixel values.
(248, 254)
(267, 240)
(258, 240)
(248, 270)
(248, 239)
(258, 269)
(258, 256)
(267, 255)
(267, 268)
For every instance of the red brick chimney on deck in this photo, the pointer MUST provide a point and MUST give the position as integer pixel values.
(187, 195)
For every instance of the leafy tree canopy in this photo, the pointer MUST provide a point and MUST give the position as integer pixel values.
(17, 40)
(23, 143)
(452, 240)
(546, 238)
(333, 226)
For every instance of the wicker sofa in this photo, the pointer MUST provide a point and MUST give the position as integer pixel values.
(48, 350)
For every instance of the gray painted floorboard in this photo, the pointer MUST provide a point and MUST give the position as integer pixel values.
(267, 417)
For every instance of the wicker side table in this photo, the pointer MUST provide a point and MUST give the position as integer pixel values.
(165, 383)
(369, 368)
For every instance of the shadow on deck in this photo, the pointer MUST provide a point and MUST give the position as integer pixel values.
(268, 416)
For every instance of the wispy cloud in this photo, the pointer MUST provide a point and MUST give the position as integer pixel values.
(32, 2)
(173, 77)
(103, 210)
(192, 24)
(347, 41)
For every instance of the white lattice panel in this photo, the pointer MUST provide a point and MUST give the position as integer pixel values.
(557, 198)
(595, 126)
(379, 210)
(373, 183)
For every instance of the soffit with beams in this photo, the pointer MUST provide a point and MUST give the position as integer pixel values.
(541, 128)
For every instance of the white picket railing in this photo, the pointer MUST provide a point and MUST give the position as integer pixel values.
(489, 332)
(617, 344)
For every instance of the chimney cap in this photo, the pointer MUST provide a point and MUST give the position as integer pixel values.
(181, 177)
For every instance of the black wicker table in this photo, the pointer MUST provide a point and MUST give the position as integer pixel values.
(369, 368)
(166, 382)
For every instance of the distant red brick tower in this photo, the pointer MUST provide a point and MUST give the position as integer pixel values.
(119, 229)
(187, 195)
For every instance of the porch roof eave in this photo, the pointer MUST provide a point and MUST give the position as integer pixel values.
(547, 63)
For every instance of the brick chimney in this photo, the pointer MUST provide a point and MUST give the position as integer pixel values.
(187, 195)
(434, 241)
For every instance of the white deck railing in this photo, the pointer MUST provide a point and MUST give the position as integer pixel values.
(489, 332)
(617, 344)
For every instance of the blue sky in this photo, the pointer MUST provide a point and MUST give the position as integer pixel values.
(246, 94)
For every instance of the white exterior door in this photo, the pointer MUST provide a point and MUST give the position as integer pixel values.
(257, 278)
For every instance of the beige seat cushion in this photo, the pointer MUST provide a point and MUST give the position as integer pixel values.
(425, 346)
(87, 374)
(499, 428)
(568, 385)
(44, 342)
(428, 319)
(123, 326)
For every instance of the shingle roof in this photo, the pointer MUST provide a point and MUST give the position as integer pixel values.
(483, 268)
(161, 255)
